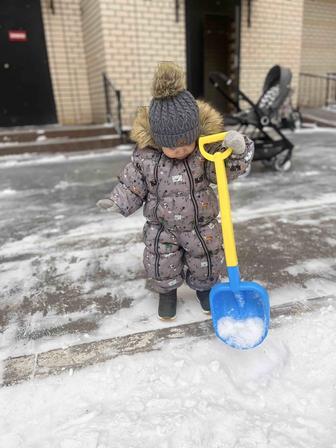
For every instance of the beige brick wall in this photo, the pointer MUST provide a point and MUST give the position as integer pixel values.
(137, 35)
(273, 38)
(126, 38)
(319, 37)
(95, 56)
(318, 52)
(67, 63)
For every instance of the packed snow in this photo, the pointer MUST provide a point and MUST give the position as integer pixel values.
(189, 394)
(243, 333)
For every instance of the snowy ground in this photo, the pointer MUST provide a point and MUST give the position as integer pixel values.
(189, 394)
(70, 274)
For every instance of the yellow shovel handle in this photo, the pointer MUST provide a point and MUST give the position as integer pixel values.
(223, 194)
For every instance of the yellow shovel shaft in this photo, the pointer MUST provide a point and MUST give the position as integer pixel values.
(223, 194)
(225, 211)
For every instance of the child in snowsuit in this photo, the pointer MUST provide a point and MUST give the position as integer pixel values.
(169, 176)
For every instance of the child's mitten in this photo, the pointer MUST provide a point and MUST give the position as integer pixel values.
(108, 204)
(236, 141)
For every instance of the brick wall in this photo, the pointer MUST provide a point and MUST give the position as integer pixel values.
(273, 38)
(137, 34)
(63, 31)
(318, 53)
(319, 37)
(95, 56)
(126, 38)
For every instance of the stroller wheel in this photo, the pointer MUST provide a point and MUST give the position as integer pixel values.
(284, 167)
(297, 120)
(282, 162)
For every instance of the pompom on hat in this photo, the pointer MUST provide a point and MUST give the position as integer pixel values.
(173, 111)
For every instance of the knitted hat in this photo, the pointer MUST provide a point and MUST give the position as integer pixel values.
(173, 111)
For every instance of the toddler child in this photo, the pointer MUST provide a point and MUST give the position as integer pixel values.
(171, 179)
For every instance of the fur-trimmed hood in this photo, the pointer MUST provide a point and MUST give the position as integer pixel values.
(211, 122)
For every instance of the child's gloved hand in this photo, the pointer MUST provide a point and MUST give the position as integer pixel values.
(108, 204)
(236, 141)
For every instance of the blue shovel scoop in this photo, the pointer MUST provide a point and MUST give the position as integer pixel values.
(240, 310)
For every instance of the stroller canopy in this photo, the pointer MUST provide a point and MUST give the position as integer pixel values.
(276, 89)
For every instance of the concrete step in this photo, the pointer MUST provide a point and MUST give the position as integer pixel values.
(62, 144)
(33, 133)
(319, 116)
(57, 361)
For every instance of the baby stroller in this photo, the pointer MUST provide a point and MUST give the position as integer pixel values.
(263, 120)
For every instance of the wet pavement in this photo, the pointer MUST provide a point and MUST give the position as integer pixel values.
(71, 274)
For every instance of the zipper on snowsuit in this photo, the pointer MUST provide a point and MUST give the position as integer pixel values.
(192, 189)
(157, 238)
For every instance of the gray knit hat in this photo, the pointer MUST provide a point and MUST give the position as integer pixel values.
(173, 111)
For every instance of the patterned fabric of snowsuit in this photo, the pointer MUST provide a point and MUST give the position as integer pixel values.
(182, 236)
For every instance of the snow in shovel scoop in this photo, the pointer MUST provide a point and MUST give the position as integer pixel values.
(244, 333)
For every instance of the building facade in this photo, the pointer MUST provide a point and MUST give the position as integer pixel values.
(126, 38)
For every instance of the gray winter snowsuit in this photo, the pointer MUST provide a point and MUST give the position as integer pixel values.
(180, 207)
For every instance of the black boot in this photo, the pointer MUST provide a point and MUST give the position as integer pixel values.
(167, 305)
(203, 298)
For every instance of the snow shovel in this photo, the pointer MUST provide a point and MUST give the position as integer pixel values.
(240, 310)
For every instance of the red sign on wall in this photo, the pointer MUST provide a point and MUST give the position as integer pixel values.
(17, 36)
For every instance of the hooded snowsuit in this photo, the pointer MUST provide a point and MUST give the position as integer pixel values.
(180, 207)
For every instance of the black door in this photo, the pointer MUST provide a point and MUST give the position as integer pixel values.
(213, 41)
(26, 95)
